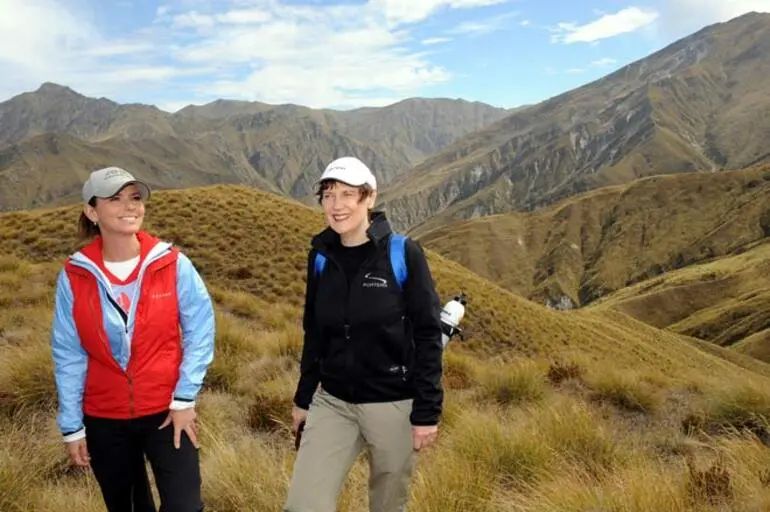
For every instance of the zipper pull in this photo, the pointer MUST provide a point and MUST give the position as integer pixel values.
(347, 332)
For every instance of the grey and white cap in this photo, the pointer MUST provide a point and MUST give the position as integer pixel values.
(109, 181)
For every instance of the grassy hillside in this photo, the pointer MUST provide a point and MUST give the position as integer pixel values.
(546, 410)
(726, 301)
(589, 246)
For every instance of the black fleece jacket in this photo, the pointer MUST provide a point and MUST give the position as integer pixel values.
(366, 340)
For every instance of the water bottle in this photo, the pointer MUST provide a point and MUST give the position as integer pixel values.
(453, 312)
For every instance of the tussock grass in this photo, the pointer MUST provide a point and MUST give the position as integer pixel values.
(627, 391)
(744, 406)
(560, 371)
(448, 483)
(512, 384)
(506, 451)
(526, 424)
(244, 472)
(26, 378)
(459, 371)
(271, 315)
(32, 458)
(646, 486)
(580, 437)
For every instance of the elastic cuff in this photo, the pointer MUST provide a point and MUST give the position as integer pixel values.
(75, 436)
(180, 405)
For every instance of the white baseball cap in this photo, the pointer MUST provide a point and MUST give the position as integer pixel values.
(109, 181)
(351, 171)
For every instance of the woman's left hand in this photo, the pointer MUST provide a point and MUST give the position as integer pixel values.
(183, 420)
(423, 436)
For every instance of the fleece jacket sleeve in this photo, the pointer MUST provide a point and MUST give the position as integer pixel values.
(310, 372)
(423, 309)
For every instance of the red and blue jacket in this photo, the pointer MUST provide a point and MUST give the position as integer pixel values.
(115, 364)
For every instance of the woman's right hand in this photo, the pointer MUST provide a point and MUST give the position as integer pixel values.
(297, 416)
(78, 452)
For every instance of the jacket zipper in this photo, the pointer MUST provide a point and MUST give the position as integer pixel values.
(123, 315)
(349, 360)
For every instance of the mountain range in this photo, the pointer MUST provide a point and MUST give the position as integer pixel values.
(52, 137)
(700, 104)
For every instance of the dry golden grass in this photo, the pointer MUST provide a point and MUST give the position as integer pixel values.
(726, 301)
(545, 410)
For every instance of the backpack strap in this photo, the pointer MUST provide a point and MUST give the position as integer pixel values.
(397, 249)
(320, 262)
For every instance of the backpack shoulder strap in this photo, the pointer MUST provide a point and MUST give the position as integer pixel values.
(397, 249)
(320, 262)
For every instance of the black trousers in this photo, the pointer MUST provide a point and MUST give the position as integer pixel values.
(117, 449)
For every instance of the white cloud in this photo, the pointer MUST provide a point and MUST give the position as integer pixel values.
(237, 17)
(484, 26)
(269, 50)
(435, 40)
(411, 11)
(112, 49)
(624, 21)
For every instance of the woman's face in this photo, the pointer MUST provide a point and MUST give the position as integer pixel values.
(121, 214)
(344, 209)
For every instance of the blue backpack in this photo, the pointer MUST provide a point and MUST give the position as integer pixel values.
(397, 250)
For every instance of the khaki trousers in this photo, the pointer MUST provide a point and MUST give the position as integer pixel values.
(335, 433)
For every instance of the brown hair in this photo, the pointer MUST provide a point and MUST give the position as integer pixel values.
(86, 227)
(364, 190)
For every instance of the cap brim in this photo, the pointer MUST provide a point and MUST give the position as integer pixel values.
(144, 189)
(339, 177)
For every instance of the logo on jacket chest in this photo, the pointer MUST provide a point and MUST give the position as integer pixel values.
(372, 281)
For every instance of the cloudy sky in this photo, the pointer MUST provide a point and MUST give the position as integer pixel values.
(337, 54)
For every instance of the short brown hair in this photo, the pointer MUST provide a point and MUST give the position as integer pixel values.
(364, 190)
(86, 227)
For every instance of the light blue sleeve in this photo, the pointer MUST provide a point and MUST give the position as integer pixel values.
(196, 316)
(69, 358)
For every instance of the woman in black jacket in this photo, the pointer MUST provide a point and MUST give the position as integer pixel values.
(372, 342)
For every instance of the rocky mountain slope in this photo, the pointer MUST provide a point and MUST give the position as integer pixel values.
(277, 147)
(700, 104)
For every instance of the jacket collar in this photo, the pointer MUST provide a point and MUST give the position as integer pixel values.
(83, 259)
(378, 230)
(93, 250)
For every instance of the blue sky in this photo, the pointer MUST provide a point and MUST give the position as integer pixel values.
(336, 54)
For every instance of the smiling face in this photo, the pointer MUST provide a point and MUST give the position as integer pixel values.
(347, 208)
(121, 214)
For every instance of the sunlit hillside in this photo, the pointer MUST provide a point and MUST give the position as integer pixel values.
(726, 301)
(626, 238)
(545, 410)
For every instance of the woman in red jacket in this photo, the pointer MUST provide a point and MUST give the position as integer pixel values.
(132, 339)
